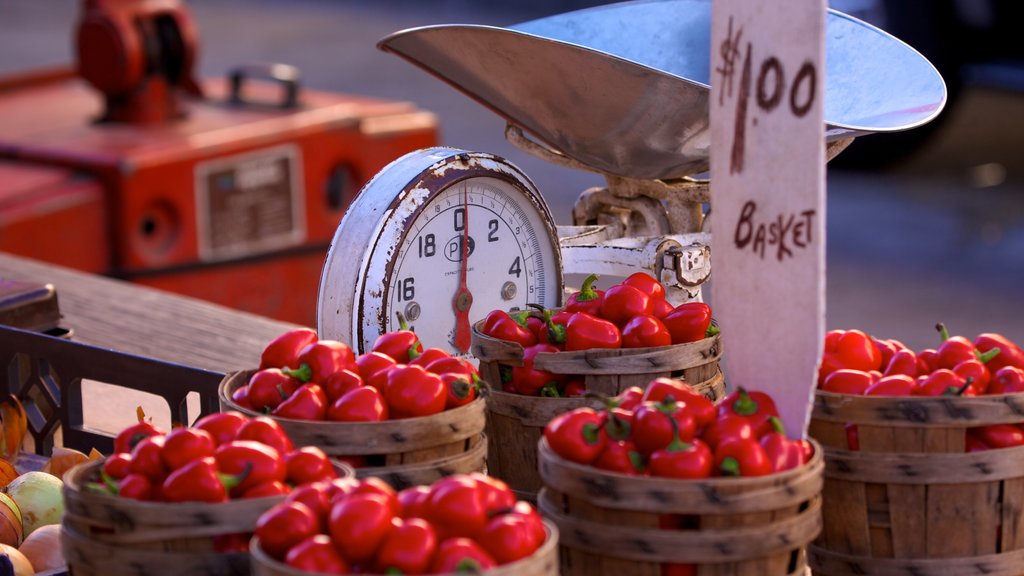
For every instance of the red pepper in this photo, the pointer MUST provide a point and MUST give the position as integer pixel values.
(742, 457)
(266, 489)
(363, 404)
(317, 554)
(903, 362)
(308, 402)
(408, 548)
(308, 464)
(620, 456)
(412, 391)
(857, 350)
(528, 380)
(117, 465)
(783, 453)
(283, 351)
(260, 463)
(430, 355)
(1007, 380)
(127, 439)
(222, 426)
(687, 460)
(973, 444)
(284, 525)
(927, 361)
(954, 349)
(577, 435)
(501, 325)
(147, 458)
(704, 411)
(895, 385)
(661, 308)
(184, 445)
(623, 302)
(588, 299)
(1010, 354)
(358, 525)
(459, 389)
(199, 481)
(553, 331)
(847, 381)
(461, 555)
(943, 382)
(412, 501)
(656, 424)
(575, 388)
(629, 398)
(887, 348)
(688, 322)
(852, 437)
(136, 487)
(457, 507)
(830, 362)
(728, 426)
(647, 284)
(315, 495)
(241, 398)
(340, 383)
(372, 363)
(269, 387)
(757, 407)
(453, 365)
(586, 332)
(976, 371)
(268, 431)
(402, 345)
(645, 331)
(236, 543)
(999, 435)
(319, 360)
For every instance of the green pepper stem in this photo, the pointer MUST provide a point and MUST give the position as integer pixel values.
(587, 290)
(232, 480)
(590, 433)
(403, 324)
(303, 373)
(984, 357)
(712, 331)
(776, 423)
(550, 390)
(730, 466)
(943, 332)
(744, 405)
(618, 428)
(677, 444)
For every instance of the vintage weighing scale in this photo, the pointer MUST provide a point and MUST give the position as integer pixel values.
(443, 236)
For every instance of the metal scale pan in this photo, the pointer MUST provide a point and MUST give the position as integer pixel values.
(624, 88)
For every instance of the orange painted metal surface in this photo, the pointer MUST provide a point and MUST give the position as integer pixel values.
(234, 203)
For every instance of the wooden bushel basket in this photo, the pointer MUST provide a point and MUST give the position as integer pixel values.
(104, 535)
(410, 451)
(610, 523)
(911, 501)
(543, 562)
(515, 422)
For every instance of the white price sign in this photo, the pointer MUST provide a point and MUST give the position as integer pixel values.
(768, 197)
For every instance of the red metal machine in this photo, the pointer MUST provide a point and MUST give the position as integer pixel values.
(226, 190)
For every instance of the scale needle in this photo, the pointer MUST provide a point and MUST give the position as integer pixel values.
(463, 298)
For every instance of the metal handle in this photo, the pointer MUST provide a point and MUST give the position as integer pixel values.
(285, 75)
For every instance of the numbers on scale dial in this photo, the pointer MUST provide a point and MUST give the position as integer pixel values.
(504, 266)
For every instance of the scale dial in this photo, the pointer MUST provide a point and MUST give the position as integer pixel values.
(442, 236)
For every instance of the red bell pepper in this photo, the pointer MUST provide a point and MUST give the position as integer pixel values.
(430, 355)
(459, 389)
(976, 371)
(127, 439)
(757, 407)
(895, 385)
(269, 387)
(847, 381)
(903, 362)
(308, 464)
(147, 458)
(222, 426)
(629, 398)
(363, 404)
(943, 382)
(317, 554)
(411, 391)
(703, 410)
(999, 435)
(852, 437)
(783, 453)
(1010, 354)
(623, 302)
(402, 345)
(372, 363)
(645, 331)
(688, 322)
(742, 457)
(260, 463)
(284, 525)
(199, 481)
(528, 380)
(501, 325)
(1007, 380)
(588, 299)
(927, 361)
(183, 445)
(578, 435)
(268, 431)
(727, 427)
(620, 456)
(308, 402)
(647, 284)
(661, 308)
(574, 388)
(585, 332)
(691, 460)
(283, 351)
(857, 350)
(656, 424)
(265, 489)
(340, 383)
(319, 360)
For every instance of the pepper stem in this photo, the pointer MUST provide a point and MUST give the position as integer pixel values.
(677, 444)
(618, 428)
(776, 423)
(232, 480)
(303, 373)
(403, 324)
(587, 290)
(943, 332)
(590, 433)
(712, 331)
(744, 405)
(550, 390)
(984, 357)
(730, 466)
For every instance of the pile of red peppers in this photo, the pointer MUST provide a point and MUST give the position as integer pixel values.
(856, 363)
(302, 377)
(631, 314)
(670, 430)
(461, 523)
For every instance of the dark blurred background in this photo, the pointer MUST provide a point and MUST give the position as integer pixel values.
(923, 227)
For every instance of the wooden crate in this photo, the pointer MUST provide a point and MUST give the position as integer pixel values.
(104, 535)
(405, 452)
(911, 501)
(615, 524)
(516, 422)
(543, 562)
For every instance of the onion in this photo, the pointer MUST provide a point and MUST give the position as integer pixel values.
(19, 565)
(42, 548)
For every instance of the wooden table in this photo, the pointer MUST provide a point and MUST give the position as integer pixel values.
(127, 340)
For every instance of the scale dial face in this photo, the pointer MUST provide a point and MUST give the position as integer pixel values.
(442, 236)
